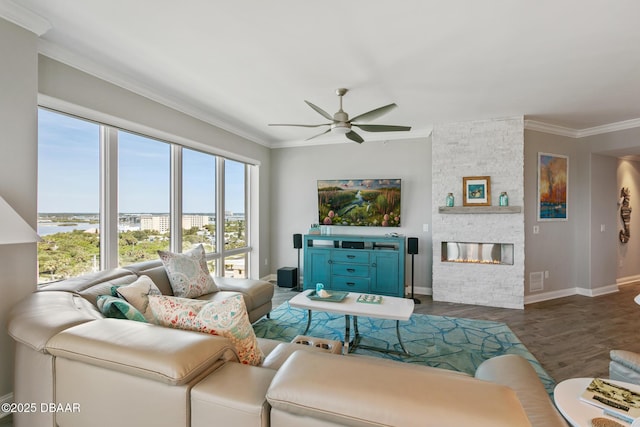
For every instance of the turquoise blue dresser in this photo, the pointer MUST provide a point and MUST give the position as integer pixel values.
(366, 264)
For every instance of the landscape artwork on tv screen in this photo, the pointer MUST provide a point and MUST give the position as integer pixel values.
(359, 202)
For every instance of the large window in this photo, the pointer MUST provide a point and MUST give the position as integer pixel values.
(109, 197)
(68, 196)
(143, 198)
(235, 222)
(199, 201)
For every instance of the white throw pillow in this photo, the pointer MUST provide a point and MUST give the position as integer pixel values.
(188, 273)
(137, 294)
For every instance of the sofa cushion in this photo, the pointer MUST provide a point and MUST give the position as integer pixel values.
(227, 318)
(141, 349)
(188, 272)
(40, 316)
(517, 373)
(137, 294)
(92, 285)
(119, 308)
(343, 390)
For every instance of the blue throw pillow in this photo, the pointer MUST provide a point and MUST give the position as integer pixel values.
(118, 308)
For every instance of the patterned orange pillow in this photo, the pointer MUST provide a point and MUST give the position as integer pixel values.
(227, 318)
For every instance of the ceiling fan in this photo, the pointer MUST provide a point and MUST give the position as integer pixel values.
(341, 124)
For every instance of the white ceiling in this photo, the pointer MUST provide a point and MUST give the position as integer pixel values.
(571, 64)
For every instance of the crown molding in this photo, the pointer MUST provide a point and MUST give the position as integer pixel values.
(549, 128)
(580, 133)
(24, 18)
(88, 66)
(39, 25)
(611, 127)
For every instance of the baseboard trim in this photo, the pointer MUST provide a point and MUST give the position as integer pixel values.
(7, 398)
(629, 280)
(419, 290)
(546, 296)
(603, 290)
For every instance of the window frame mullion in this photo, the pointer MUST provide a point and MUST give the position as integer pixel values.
(175, 194)
(108, 197)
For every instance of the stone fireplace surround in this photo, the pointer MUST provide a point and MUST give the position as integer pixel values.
(493, 148)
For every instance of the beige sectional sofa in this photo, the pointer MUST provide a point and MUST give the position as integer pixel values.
(99, 371)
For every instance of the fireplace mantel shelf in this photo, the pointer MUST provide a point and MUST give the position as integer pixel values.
(479, 209)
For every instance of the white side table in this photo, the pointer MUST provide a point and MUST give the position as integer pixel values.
(576, 412)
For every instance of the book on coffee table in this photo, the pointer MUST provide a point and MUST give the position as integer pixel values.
(370, 299)
(615, 400)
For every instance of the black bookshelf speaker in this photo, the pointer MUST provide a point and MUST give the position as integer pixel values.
(412, 243)
(297, 241)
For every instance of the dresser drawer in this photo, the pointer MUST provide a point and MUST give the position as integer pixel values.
(351, 270)
(352, 284)
(360, 257)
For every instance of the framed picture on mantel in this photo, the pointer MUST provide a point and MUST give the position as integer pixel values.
(476, 191)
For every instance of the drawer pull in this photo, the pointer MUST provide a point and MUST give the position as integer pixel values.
(350, 284)
(351, 256)
(374, 265)
(351, 270)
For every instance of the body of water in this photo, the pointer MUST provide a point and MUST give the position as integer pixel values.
(46, 228)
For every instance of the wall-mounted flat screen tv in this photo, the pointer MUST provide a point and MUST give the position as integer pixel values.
(359, 202)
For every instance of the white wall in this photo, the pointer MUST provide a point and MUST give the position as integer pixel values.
(295, 172)
(18, 157)
(628, 175)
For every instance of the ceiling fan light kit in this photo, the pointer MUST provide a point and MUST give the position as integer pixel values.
(341, 125)
(340, 128)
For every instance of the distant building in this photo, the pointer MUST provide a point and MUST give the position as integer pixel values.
(161, 223)
(199, 221)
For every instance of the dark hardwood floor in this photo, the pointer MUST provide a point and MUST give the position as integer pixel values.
(571, 336)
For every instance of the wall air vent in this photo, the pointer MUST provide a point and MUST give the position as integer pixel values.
(536, 281)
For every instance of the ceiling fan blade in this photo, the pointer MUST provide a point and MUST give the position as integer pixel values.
(320, 111)
(382, 128)
(304, 126)
(374, 114)
(314, 136)
(354, 137)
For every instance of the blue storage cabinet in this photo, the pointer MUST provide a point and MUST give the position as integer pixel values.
(366, 264)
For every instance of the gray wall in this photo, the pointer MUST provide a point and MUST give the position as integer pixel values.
(628, 175)
(603, 230)
(579, 257)
(68, 88)
(18, 157)
(576, 253)
(558, 248)
(295, 172)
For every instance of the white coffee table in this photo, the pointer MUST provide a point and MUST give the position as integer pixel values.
(392, 308)
(575, 411)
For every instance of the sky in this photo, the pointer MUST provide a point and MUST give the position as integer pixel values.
(69, 174)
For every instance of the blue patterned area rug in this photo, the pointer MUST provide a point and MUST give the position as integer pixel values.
(439, 341)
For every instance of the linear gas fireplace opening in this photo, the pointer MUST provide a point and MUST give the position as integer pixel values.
(478, 253)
